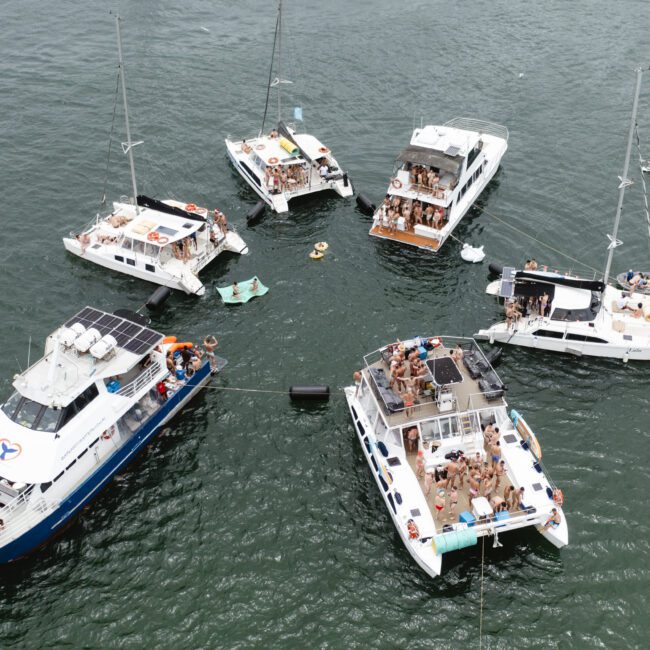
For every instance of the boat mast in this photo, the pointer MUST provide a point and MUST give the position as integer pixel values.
(624, 179)
(279, 61)
(128, 147)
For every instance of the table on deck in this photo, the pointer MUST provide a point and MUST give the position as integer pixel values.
(444, 371)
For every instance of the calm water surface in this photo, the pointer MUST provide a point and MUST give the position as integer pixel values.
(253, 522)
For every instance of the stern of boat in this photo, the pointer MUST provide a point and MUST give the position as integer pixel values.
(235, 244)
(559, 536)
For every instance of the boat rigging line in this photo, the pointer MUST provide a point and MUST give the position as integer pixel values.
(642, 162)
(268, 85)
(110, 137)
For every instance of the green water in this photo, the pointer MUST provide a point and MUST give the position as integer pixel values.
(253, 522)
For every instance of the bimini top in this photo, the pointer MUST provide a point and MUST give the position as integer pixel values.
(424, 156)
(92, 345)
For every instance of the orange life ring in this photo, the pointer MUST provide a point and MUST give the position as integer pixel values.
(180, 346)
(260, 146)
(153, 236)
(108, 434)
(558, 497)
(435, 342)
(323, 150)
(273, 161)
(190, 207)
(163, 240)
(396, 183)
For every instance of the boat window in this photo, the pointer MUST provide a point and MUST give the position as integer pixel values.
(250, 174)
(49, 420)
(380, 430)
(138, 246)
(472, 155)
(10, 406)
(119, 258)
(549, 334)
(78, 404)
(150, 267)
(584, 338)
(394, 437)
(46, 486)
(448, 427)
(151, 250)
(28, 413)
(430, 431)
(131, 262)
(164, 230)
(126, 243)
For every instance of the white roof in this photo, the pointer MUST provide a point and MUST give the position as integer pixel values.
(310, 145)
(172, 227)
(442, 138)
(570, 298)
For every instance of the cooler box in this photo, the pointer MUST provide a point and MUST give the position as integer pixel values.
(467, 517)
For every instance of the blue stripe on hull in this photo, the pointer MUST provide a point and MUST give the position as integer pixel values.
(83, 494)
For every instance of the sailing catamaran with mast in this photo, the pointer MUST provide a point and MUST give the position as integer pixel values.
(285, 164)
(166, 242)
(562, 313)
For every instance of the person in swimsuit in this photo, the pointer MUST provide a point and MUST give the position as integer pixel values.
(462, 470)
(507, 493)
(553, 521)
(495, 450)
(255, 285)
(235, 290)
(210, 343)
(474, 485)
(439, 502)
(453, 500)
(419, 464)
(499, 471)
(412, 438)
(517, 497)
(429, 478)
(452, 472)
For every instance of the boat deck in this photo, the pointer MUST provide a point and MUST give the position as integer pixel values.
(405, 237)
(467, 394)
(464, 500)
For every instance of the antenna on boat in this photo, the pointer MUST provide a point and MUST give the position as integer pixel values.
(127, 146)
(279, 61)
(625, 181)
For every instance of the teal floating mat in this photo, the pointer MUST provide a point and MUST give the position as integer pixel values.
(245, 292)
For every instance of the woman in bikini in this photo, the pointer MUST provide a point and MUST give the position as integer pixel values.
(439, 503)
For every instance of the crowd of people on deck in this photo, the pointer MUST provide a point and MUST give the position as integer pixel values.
(425, 179)
(482, 475)
(285, 178)
(411, 211)
(182, 363)
(625, 303)
(637, 280)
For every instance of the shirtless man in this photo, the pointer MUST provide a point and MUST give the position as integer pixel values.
(406, 213)
(84, 241)
(495, 451)
(499, 472)
(507, 493)
(543, 303)
(553, 521)
(512, 313)
(417, 212)
(428, 482)
(457, 354)
(428, 214)
(474, 485)
(498, 503)
(462, 470)
(517, 497)
(210, 343)
(419, 464)
(638, 312)
(452, 471)
(487, 485)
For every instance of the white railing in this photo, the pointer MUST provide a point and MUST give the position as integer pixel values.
(471, 124)
(140, 381)
(15, 526)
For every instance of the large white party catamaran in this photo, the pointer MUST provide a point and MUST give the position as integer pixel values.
(283, 164)
(563, 313)
(437, 179)
(166, 242)
(418, 407)
(105, 386)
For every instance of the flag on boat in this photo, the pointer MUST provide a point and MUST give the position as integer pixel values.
(297, 113)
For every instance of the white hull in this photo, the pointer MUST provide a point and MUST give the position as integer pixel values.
(279, 202)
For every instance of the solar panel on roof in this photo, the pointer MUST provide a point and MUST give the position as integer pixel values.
(129, 335)
(452, 150)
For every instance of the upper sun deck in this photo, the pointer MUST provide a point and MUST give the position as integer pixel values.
(66, 369)
(139, 226)
(450, 386)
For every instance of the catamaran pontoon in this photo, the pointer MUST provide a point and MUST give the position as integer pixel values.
(436, 180)
(285, 164)
(79, 415)
(166, 242)
(551, 311)
(409, 444)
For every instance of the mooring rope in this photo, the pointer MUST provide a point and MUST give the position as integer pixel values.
(480, 617)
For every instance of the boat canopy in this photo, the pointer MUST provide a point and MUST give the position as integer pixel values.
(559, 280)
(160, 206)
(424, 156)
(308, 145)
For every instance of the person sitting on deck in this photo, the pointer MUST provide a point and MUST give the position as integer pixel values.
(634, 282)
(235, 290)
(638, 312)
(274, 134)
(554, 520)
(457, 354)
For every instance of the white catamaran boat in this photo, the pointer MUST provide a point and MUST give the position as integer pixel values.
(560, 313)
(79, 415)
(436, 180)
(165, 242)
(412, 444)
(285, 164)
